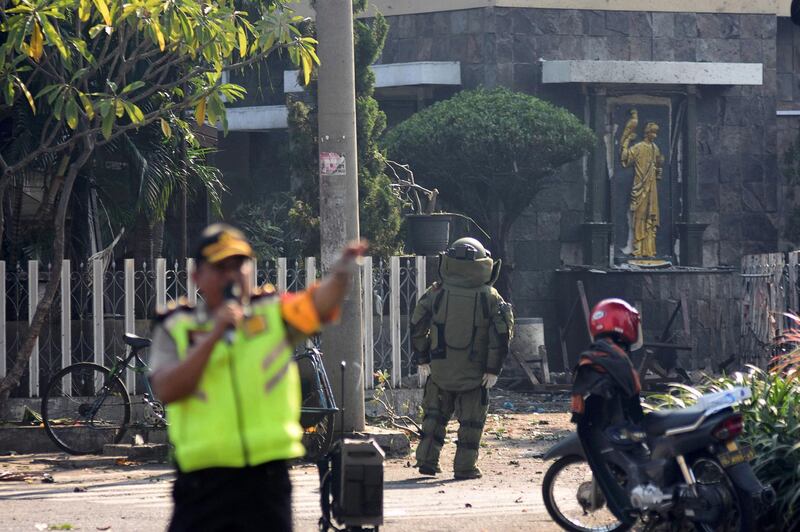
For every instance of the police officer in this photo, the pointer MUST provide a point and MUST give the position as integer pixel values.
(224, 369)
(460, 330)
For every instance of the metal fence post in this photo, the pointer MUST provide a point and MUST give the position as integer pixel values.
(421, 275)
(281, 275)
(191, 289)
(311, 271)
(3, 324)
(130, 318)
(311, 278)
(394, 319)
(369, 354)
(33, 301)
(97, 312)
(66, 322)
(420, 287)
(161, 284)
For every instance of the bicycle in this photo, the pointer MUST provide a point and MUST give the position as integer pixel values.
(86, 405)
(97, 409)
(319, 406)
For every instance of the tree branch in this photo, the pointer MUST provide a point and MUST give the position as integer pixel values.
(10, 381)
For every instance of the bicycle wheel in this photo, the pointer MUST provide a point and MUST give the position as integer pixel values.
(84, 407)
(318, 437)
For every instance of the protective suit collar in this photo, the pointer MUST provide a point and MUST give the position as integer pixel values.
(466, 273)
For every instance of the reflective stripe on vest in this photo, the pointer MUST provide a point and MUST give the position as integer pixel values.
(246, 409)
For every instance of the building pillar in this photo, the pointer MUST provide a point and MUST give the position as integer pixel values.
(597, 231)
(690, 233)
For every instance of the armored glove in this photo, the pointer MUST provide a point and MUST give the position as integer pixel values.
(489, 380)
(424, 371)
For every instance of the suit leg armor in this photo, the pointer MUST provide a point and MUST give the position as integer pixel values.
(437, 406)
(474, 406)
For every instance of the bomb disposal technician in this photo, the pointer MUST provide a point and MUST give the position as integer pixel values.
(460, 330)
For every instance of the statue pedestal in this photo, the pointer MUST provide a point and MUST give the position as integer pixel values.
(650, 263)
(596, 243)
(691, 235)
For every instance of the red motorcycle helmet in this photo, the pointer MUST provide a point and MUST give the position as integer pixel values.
(618, 318)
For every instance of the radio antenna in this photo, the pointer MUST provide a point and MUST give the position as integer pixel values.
(341, 413)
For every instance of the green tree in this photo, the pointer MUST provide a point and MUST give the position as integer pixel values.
(93, 71)
(489, 153)
(379, 209)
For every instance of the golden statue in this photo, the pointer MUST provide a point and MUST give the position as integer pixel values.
(647, 162)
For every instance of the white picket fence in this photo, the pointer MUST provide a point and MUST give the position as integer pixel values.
(99, 305)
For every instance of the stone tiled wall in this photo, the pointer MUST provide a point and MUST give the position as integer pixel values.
(788, 94)
(739, 187)
(713, 313)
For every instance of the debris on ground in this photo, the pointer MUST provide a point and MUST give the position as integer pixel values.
(47, 478)
(31, 417)
(11, 476)
(126, 462)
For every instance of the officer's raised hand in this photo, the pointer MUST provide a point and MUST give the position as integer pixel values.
(332, 289)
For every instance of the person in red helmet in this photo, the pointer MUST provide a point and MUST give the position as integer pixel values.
(616, 330)
(605, 391)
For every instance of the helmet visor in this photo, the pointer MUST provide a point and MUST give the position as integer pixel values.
(639, 339)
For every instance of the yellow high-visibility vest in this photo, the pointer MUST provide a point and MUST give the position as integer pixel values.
(246, 409)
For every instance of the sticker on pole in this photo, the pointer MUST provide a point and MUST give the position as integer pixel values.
(331, 163)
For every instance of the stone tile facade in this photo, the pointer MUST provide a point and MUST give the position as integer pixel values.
(739, 190)
(713, 313)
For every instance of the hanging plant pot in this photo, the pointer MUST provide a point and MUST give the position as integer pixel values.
(428, 234)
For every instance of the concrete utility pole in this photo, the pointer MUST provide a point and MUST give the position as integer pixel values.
(338, 192)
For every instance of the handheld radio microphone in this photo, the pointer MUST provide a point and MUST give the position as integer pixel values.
(230, 294)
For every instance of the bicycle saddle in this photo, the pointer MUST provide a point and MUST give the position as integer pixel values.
(137, 342)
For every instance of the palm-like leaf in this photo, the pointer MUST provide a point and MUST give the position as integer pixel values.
(771, 424)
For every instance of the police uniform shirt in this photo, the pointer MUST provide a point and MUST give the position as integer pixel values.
(297, 310)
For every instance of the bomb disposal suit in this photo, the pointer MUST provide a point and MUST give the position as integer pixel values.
(460, 330)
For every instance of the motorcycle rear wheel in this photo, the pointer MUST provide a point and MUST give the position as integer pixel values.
(742, 518)
(557, 504)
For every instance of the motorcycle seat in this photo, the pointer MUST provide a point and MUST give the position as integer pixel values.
(658, 422)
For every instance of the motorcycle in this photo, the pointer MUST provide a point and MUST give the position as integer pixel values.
(679, 469)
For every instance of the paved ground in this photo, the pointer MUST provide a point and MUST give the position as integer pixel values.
(137, 497)
(140, 500)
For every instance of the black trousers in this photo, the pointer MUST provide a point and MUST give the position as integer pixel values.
(255, 498)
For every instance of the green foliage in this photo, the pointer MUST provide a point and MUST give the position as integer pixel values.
(264, 224)
(162, 166)
(124, 75)
(93, 64)
(771, 426)
(489, 148)
(379, 209)
(489, 153)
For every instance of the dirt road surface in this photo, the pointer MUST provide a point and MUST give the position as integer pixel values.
(136, 497)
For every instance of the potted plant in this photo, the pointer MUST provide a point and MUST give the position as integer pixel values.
(428, 231)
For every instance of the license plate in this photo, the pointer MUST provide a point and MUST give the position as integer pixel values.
(735, 457)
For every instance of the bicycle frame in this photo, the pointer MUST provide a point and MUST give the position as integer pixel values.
(321, 385)
(135, 362)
